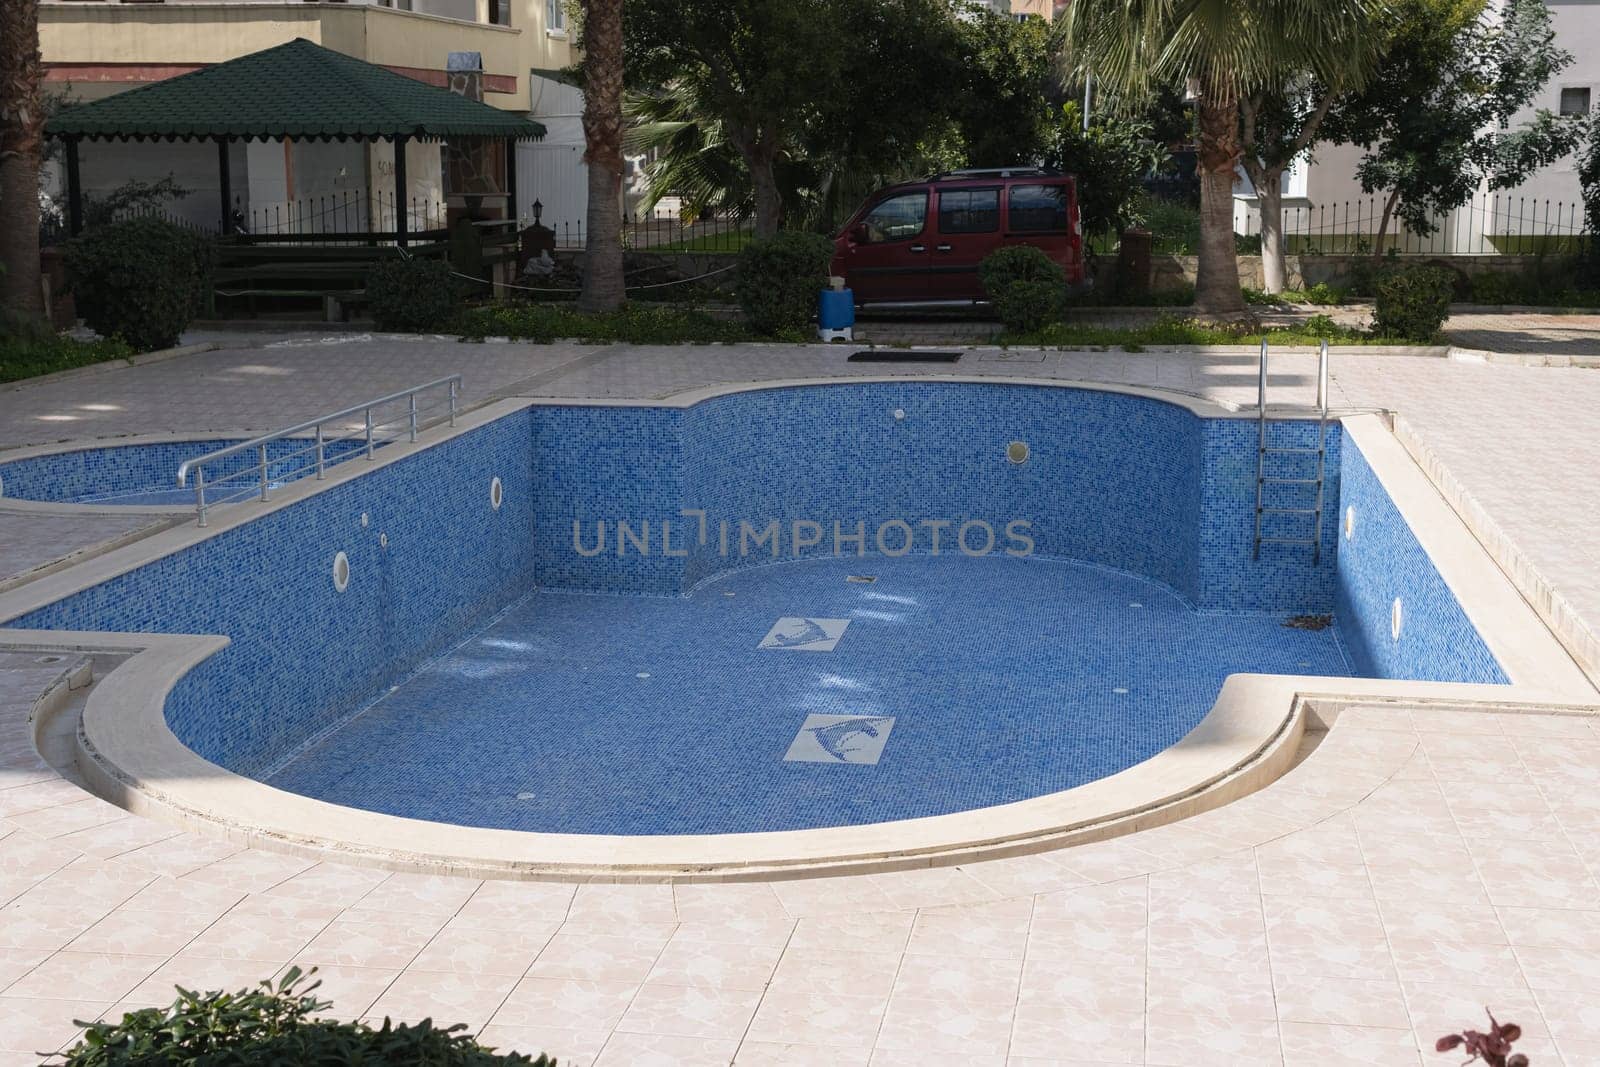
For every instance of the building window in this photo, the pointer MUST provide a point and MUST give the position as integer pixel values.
(555, 16)
(1575, 101)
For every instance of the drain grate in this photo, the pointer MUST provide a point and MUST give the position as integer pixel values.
(861, 579)
(902, 355)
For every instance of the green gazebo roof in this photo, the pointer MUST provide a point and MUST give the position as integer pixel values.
(299, 90)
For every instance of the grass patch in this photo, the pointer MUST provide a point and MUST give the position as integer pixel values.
(635, 324)
(23, 356)
(729, 241)
(1173, 331)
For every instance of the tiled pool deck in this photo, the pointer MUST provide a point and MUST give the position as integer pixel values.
(1420, 864)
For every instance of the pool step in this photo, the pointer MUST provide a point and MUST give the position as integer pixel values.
(1264, 450)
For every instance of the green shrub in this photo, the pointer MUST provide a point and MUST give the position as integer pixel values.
(1323, 295)
(28, 355)
(780, 279)
(413, 295)
(651, 324)
(273, 1026)
(142, 280)
(1412, 302)
(1494, 287)
(1027, 288)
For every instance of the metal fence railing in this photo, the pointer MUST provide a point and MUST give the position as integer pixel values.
(1493, 224)
(662, 232)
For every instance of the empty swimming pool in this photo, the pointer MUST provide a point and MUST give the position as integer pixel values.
(727, 615)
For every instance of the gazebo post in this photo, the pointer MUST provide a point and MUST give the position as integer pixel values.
(511, 182)
(224, 184)
(400, 184)
(74, 190)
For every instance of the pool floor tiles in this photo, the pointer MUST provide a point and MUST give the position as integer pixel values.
(791, 697)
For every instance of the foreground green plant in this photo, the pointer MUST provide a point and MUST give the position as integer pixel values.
(413, 295)
(25, 355)
(271, 1026)
(652, 324)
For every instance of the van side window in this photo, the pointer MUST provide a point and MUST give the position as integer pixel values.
(896, 218)
(969, 210)
(1037, 208)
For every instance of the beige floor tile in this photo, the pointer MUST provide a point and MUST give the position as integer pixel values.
(470, 950)
(569, 1048)
(855, 932)
(691, 1011)
(96, 975)
(248, 937)
(769, 1054)
(830, 1019)
(942, 1025)
(715, 964)
(959, 979)
(351, 989)
(659, 1050)
(596, 958)
(1341, 1001)
(998, 930)
(821, 971)
(447, 999)
(1183, 1040)
(32, 1025)
(151, 933)
(1046, 1032)
(577, 1004)
(359, 944)
(1323, 1045)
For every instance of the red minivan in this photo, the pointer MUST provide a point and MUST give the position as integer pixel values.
(921, 242)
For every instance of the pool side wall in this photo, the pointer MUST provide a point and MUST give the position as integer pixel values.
(1383, 561)
(1123, 481)
(301, 653)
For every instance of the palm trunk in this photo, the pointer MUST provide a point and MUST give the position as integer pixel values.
(603, 283)
(1269, 197)
(21, 128)
(1216, 291)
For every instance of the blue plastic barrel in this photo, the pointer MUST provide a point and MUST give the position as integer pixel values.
(836, 309)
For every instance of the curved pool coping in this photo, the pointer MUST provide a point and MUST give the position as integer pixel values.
(129, 755)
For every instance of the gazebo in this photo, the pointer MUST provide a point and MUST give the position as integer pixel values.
(295, 91)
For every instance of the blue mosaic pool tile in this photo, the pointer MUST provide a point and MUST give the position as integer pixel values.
(145, 475)
(654, 715)
(1382, 561)
(302, 654)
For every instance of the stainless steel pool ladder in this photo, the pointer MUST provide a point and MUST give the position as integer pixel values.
(371, 435)
(1264, 450)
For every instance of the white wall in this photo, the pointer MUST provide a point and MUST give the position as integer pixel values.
(1577, 26)
(552, 171)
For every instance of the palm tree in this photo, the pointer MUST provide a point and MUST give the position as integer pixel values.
(603, 285)
(21, 126)
(1224, 52)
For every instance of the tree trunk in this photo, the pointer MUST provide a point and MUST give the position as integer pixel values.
(1269, 197)
(1383, 224)
(1216, 291)
(603, 282)
(21, 129)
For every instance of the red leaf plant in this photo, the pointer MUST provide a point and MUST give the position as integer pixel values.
(1493, 1048)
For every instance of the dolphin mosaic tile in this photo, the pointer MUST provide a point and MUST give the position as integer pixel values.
(840, 739)
(805, 635)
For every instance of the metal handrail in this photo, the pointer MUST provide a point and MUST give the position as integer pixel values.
(1321, 449)
(260, 444)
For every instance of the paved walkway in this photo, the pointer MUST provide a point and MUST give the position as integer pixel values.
(1369, 901)
(1417, 866)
